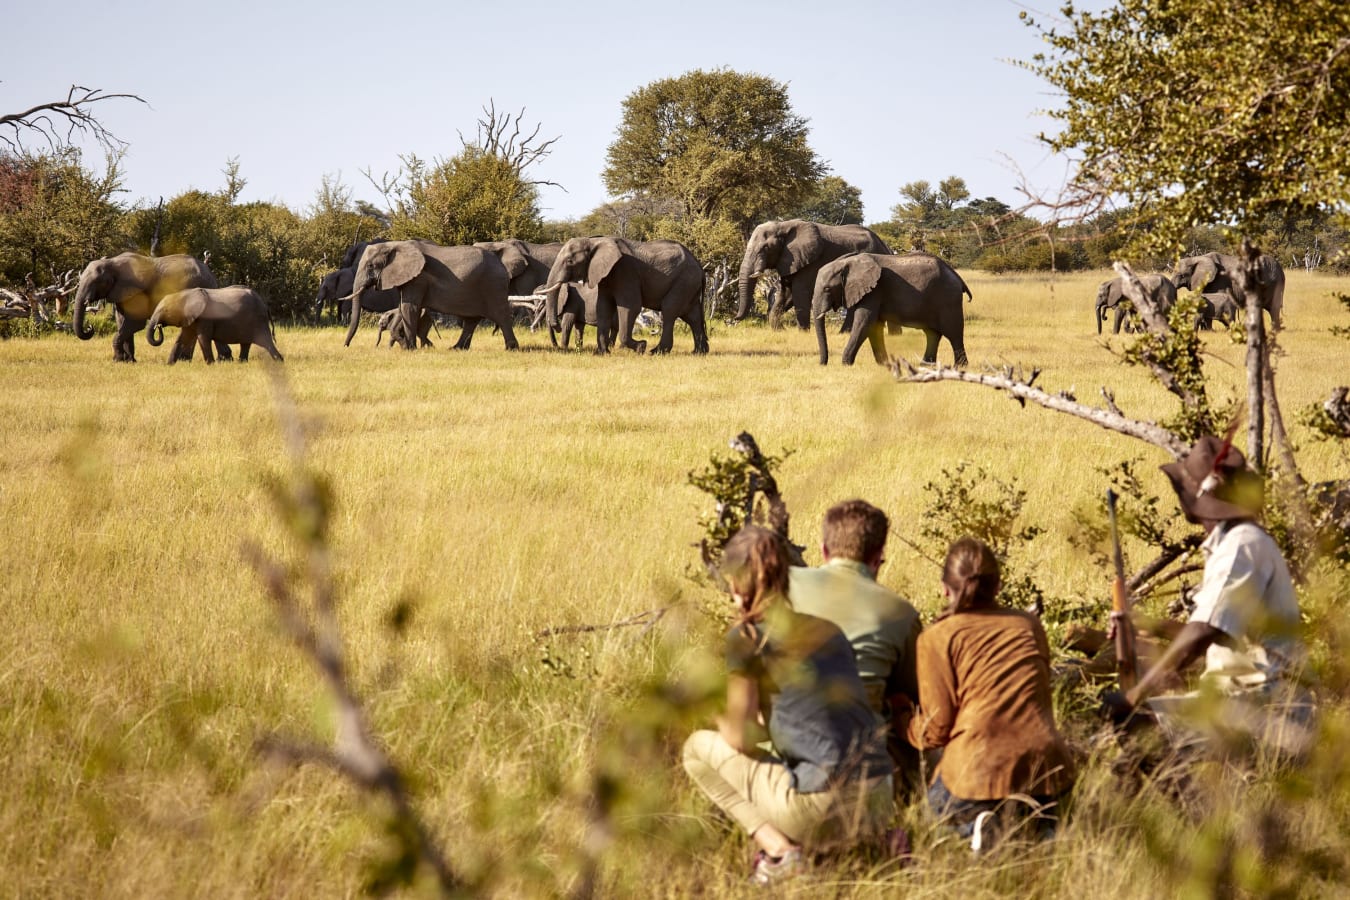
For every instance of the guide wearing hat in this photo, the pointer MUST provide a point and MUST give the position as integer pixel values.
(1246, 615)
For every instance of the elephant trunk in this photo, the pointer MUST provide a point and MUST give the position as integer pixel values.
(818, 321)
(744, 292)
(365, 279)
(1101, 314)
(552, 300)
(154, 330)
(82, 297)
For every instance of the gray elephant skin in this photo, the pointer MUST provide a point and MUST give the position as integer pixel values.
(1111, 295)
(228, 315)
(914, 289)
(335, 291)
(1215, 273)
(134, 284)
(467, 282)
(526, 264)
(391, 320)
(628, 276)
(796, 249)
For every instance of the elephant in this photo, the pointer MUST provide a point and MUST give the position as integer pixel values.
(468, 282)
(628, 276)
(1110, 295)
(1223, 307)
(916, 289)
(391, 320)
(527, 264)
(353, 254)
(336, 289)
(228, 315)
(1218, 272)
(797, 249)
(134, 283)
(577, 310)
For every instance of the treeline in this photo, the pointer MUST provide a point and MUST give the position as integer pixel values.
(701, 158)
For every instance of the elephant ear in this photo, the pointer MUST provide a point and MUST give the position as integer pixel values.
(863, 274)
(605, 255)
(1205, 270)
(516, 262)
(194, 305)
(803, 247)
(403, 263)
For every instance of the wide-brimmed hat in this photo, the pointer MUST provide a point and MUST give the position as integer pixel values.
(1213, 482)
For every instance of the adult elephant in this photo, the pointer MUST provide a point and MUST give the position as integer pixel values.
(228, 315)
(527, 264)
(468, 282)
(1214, 273)
(916, 289)
(797, 249)
(335, 291)
(134, 284)
(628, 276)
(352, 257)
(1111, 295)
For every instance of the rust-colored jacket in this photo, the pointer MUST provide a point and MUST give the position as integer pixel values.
(984, 696)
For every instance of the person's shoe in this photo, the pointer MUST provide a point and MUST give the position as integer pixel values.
(768, 869)
(982, 837)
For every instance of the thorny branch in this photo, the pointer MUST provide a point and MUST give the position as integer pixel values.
(356, 753)
(1022, 390)
(59, 121)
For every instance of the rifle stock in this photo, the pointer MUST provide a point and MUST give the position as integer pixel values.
(1127, 669)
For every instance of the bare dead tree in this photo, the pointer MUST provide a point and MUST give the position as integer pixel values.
(501, 134)
(59, 122)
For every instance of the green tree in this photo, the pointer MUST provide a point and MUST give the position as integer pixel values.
(1202, 111)
(833, 201)
(472, 196)
(55, 214)
(725, 144)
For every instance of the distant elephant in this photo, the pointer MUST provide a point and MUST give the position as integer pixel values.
(527, 264)
(916, 289)
(577, 309)
(796, 249)
(1223, 307)
(228, 315)
(335, 290)
(460, 281)
(630, 275)
(1110, 295)
(1218, 272)
(134, 284)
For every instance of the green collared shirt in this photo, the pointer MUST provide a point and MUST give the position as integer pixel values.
(881, 626)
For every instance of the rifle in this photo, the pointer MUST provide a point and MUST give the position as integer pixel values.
(1126, 663)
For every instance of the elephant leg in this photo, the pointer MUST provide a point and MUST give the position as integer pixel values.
(627, 319)
(207, 355)
(503, 323)
(181, 351)
(846, 326)
(876, 336)
(958, 349)
(698, 324)
(243, 350)
(930, 347)
(569, 322)
(469, 324)
(863, 320)
(1120, 320)
(780, 303)
(124, 347)
(224, 352)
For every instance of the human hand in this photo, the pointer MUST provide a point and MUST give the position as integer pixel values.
(1116, 707)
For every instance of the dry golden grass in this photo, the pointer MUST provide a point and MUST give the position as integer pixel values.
(500, 493)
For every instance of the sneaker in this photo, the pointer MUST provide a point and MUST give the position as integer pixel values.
(982, 837)
(768, 869)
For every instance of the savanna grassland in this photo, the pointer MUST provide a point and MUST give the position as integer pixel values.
(482, 497)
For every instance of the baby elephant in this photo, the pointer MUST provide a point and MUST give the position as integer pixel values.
(229, 315)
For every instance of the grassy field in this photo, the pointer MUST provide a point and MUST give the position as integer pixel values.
(497, 494)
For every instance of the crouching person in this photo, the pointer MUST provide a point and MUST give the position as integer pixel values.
(985, 700)
(1245, 624)
(830, 782)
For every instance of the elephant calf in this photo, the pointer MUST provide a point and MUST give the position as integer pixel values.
(228, 315)
(1111, 295)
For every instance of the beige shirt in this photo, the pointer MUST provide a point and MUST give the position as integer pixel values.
(984, 696)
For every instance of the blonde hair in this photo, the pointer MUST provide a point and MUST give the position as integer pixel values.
(971, 574)
(755, 565)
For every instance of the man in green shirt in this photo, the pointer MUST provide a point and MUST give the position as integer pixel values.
(881, 626)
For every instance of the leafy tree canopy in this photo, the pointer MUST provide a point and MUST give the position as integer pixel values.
(1203, 111)
(725, 144)
(472, 196)
(833, 201)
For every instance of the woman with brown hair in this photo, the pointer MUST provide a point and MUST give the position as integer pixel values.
(831, 779)
(984, 699)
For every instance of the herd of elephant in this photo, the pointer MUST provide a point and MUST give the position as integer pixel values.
(605, 282)
(1218, 277)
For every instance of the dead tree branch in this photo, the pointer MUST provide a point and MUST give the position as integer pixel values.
(59, 121)
(500, 135)
(1022, 391)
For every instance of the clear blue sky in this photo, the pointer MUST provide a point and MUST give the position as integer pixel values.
(894, 91)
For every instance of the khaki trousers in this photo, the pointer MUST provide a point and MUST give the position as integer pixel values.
(756, 792)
